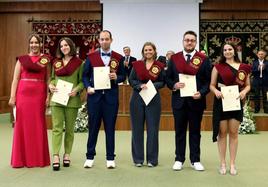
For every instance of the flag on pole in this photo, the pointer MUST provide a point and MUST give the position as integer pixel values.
(206, 47)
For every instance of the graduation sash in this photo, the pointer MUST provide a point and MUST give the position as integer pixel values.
(61, 70)
(190, 68)
(96, 61)
(28, 64)
(151, 74)
(231, 78)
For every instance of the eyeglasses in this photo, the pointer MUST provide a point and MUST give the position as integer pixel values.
(188, 40)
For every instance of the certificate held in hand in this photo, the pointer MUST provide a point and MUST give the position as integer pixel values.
(190, 85)
(101, 78)
(62, 95)
(230, 101)
(148, 94)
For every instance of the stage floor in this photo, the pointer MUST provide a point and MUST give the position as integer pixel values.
(251, 163)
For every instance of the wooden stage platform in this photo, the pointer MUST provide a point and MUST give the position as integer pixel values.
(167, 122)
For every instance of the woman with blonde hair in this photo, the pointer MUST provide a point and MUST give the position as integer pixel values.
(147, 69)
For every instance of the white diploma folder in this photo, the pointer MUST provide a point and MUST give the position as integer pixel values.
(190, 87)
(101, 78)
(61, 96)
(230, 101)
(148, 94)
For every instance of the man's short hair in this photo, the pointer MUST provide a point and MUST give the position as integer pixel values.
(107, 32)
(191, 33)
(126, 47)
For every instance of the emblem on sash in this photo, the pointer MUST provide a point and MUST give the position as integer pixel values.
(241, 75)
(58, 64)
(196, 61)
(43, 60)
(155, 70)
(114, 64)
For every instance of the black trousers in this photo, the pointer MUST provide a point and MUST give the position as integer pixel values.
(182, 118)
(258, 90)
(140, 113)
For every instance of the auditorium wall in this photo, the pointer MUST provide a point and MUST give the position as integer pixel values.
(15, 21)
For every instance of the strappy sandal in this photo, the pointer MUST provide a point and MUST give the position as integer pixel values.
(222, 169)
(56, 165)
(66, 162)
(233, 170)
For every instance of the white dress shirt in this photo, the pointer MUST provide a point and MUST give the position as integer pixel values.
(261, 67)
(105, 59)
(185, 53)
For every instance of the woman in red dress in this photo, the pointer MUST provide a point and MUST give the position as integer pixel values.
(29, 96)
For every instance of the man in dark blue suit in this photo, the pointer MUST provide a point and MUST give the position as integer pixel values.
(188, 110)
(127, 60)
(260, 81)
(102, 104)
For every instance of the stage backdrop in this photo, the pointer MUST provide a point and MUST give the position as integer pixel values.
(249, 35)
(83, 33)
(163, 22)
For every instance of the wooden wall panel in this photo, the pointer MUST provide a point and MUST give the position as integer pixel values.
(261, 122)
(3, 65)
(167, 120)
(234, 9)
(125, 92)
(55, 6)
(15, 29)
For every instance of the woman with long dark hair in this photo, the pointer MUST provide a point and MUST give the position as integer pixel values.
(229, 71)
(66, 67)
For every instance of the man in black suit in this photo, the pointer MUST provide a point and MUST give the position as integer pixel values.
(188, 110)
(168, 55)
(260, 81)
(127, 60)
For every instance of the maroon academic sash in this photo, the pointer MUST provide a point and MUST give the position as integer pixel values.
(151, 74)
(183, 67)
(28, 64)
(96, 61)
(229, 78)
(61, 70)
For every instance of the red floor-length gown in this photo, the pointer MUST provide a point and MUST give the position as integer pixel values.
(30, 143)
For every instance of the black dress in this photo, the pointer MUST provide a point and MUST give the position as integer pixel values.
(219, 115)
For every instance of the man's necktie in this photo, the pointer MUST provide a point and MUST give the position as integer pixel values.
(126, 58)
(188, 58)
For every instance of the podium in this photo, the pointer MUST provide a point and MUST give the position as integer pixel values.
(167, 120)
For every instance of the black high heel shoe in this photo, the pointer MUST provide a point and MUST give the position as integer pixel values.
(56, 165)
(66, 162)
